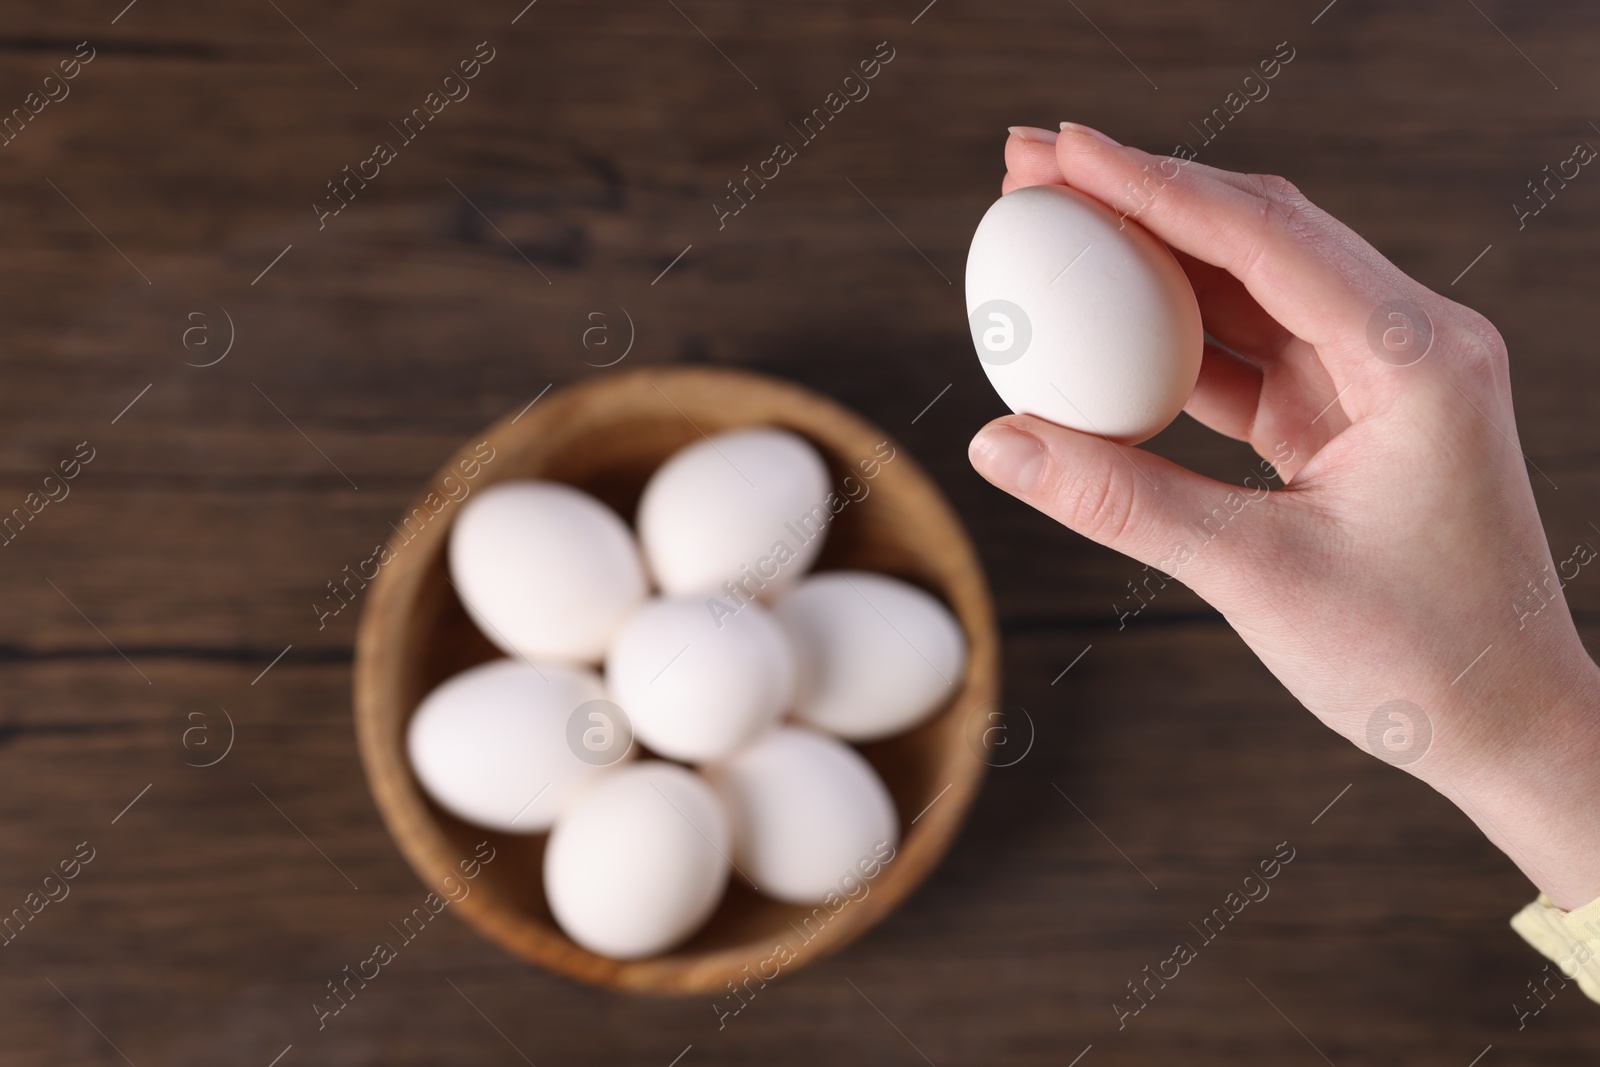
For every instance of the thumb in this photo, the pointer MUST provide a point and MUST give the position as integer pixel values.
(1126, 499)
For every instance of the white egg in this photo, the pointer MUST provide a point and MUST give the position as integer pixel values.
(746, 510)
(639, 861)
(490, 744)
(1080, 317)
(873, 655)
(697, 682)
(810, 816)
(545, 570)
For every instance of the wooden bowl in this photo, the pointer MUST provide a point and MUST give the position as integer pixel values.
(607, 436)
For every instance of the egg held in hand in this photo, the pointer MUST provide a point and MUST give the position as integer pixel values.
(809, 814)
(546, 571)
(874, 655)
(1081, 317)
(639, 860)
(739, 514)
(491, 744)
(698, 681)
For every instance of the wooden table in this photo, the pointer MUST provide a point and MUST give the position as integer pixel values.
(178, 175)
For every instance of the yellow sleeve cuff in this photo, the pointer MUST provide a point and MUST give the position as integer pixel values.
(1569, 939)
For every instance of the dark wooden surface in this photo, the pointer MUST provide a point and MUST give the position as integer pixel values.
(204, 529)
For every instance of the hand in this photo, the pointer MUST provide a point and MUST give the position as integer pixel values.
(1403, 559)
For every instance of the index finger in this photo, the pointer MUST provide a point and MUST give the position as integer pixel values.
(1293, 258)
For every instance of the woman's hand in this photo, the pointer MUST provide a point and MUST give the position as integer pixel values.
(1399, 584)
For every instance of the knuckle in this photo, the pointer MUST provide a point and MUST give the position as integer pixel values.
(1099, 503)
(1476, 346)
(1472, 355)
(1275, 188)
(1487, 338)
(1482, 360)
(1279, 213)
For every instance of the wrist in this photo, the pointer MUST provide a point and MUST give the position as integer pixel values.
(1530, 780)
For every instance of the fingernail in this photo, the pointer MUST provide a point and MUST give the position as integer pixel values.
(1032, 133)
(1008, 458)
(1073, 127)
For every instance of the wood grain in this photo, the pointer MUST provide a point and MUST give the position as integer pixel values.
(597, 141)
